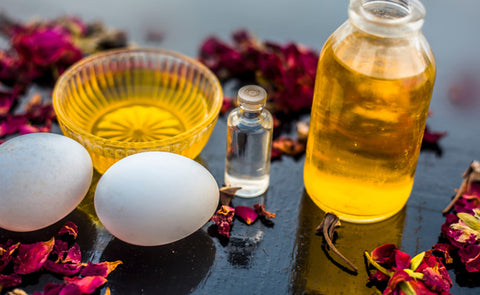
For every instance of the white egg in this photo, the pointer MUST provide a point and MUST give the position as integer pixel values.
(43, 177)
(155, 198)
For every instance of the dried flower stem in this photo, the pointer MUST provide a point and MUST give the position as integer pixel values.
(327, 227)
(457, 196)
(471, 174)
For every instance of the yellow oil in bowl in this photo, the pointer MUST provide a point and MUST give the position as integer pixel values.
(128, 101)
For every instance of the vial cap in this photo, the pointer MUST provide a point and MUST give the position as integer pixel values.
(252, 96)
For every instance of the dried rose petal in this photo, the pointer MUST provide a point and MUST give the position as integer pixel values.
(69, 228)
(398, 278)
(261, 211)
(223, 218)
(472, 192)
(288, 146)
(444, 250)
(419, 287)
(73, 255)
(435, 275)
(246, 213)
(102, 269)
(288, 72)
(7, 281)
(12, 124)
(86, 285)
(402, 259)
(45, 47)
(64, 269)
(470, 256)
(60, 248)
(385, 255)
(7, 98)
(275, 153)
(31, 257)
(6, 252)
(378, 276)
(431, 136)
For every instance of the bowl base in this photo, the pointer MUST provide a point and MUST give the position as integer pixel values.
(137, 123)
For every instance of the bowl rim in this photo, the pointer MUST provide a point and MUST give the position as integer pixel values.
(73, 69)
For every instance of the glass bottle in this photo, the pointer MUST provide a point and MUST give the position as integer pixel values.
(249, 141)
(374, 82)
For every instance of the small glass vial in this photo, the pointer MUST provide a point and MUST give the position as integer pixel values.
(249, 142)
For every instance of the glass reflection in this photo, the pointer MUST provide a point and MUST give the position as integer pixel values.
(319, 271)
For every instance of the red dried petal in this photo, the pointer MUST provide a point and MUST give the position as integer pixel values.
(472, 192)
(261, 211)
(385, 255)
(7, 98)
(12, 124)
(31, 257)
(470, 256)
(431, 136)
(60, 248)
(86, 285)
(402, 259)
(223, 218)
(378, 276)
(275, 153)
(394, 282)
(7, 281)
(434, 281)
(28, 128)
(73, 255)
(435, 275)
(288, 71)
(69, 228)
(420, 288)
(6, 252)
(10, 70)
(46, 47)
(289, 146)
(248, 214)
(444, 250)
(102, 269)
(64, 269)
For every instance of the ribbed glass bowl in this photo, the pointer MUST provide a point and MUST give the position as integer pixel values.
(121, 102)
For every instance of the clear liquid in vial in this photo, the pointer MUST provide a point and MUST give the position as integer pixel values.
(249, 138)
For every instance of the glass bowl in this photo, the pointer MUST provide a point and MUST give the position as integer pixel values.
(121, 102)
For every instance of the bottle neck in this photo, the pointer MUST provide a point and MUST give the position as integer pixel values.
(387, 18)
(250, 113)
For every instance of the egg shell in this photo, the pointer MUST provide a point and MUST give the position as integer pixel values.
(43, 177)
(155, 198)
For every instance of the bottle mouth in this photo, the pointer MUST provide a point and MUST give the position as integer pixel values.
(387, 18)
(252, 97)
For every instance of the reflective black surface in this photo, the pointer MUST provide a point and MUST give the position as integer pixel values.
(285, 257)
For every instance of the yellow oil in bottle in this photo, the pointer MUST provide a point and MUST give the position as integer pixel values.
(366, 129)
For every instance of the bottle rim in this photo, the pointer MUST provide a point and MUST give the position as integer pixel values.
(387, 18)
(252, 97)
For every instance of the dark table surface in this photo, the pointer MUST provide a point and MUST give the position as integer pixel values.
(286, 258)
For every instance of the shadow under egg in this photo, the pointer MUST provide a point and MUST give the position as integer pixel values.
(175, 268)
